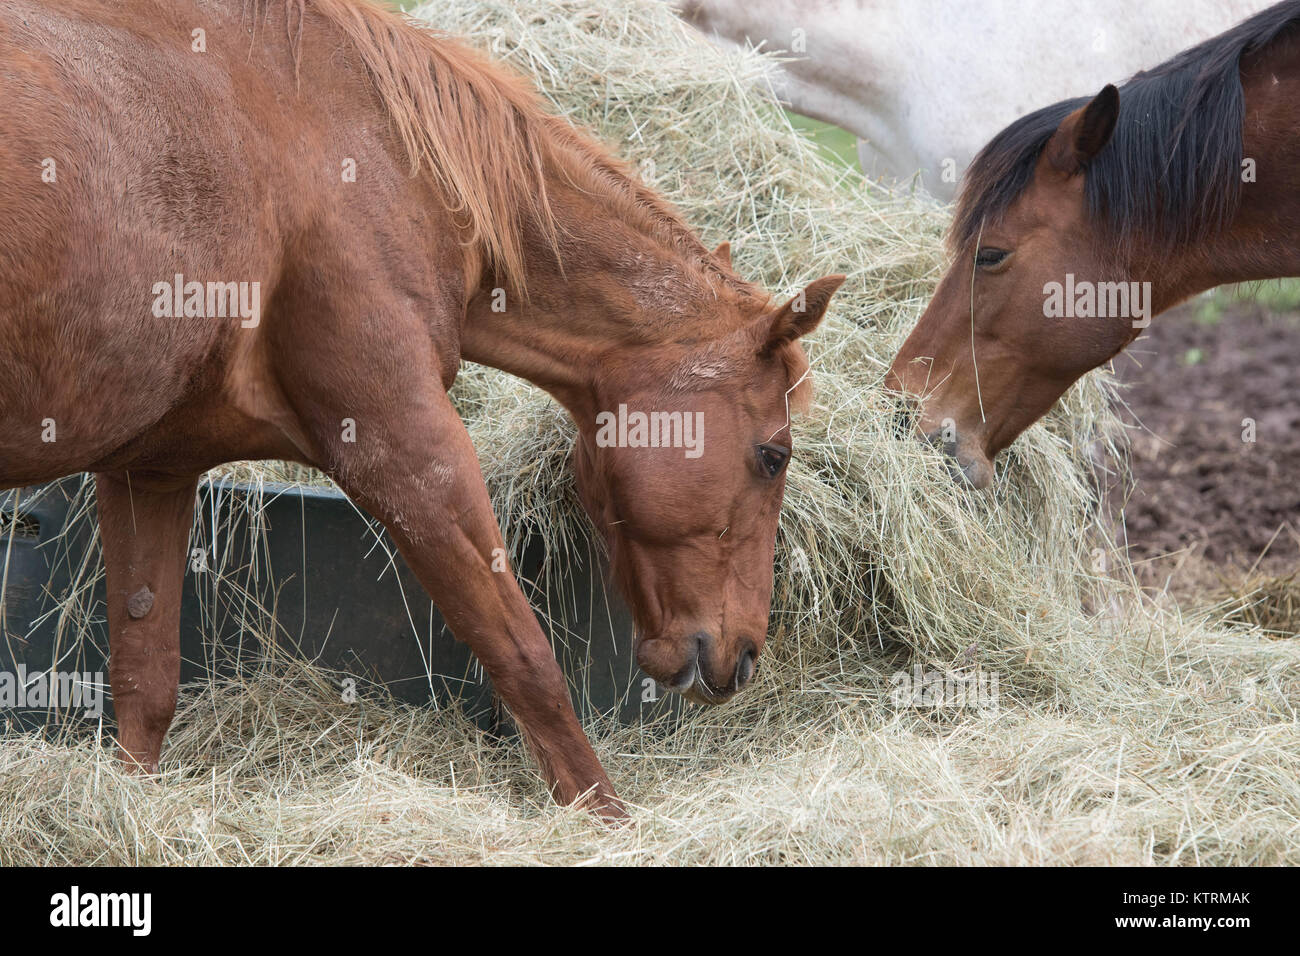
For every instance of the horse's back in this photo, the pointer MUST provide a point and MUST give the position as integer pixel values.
(132, 158)
(158, 143)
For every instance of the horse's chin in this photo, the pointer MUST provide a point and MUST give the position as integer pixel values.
(698, 695)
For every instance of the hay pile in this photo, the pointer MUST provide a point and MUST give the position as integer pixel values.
(1128, 733)
(1268, 602)
(877, 543)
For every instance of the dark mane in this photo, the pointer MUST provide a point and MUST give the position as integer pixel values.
(1172, 170)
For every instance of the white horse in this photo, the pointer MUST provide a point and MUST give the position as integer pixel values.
(925, 84)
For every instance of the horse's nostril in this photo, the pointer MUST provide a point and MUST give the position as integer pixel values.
(745, 668)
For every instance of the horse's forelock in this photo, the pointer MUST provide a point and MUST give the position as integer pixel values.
(1003, 170)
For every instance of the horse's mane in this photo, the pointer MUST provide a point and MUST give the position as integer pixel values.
(1171, 172)
(486, 138)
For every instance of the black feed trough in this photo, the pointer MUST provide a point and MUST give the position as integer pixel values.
(287, 570)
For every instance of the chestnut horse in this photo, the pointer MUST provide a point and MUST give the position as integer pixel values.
(273, 229)
(1079, 222)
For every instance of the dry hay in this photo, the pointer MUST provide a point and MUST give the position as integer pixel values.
(1124, 731)
(1270, 603)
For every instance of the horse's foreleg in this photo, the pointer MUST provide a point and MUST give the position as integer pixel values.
(425, 485)
(144, 533)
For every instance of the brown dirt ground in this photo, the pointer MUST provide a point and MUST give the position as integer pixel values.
(1207, 504)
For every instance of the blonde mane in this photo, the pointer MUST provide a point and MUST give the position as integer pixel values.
(488, 141)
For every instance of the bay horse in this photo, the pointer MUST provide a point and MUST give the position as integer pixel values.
(1081, 221)
(373, 205)
(925, 83)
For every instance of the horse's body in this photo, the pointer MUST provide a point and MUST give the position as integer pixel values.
(1080, 222)
(925, 83)
(276, 149)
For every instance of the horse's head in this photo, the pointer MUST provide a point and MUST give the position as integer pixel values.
(1032, 300)
(682, 467)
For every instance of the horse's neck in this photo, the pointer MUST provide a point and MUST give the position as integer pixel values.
(1261, 242)
(615, 288)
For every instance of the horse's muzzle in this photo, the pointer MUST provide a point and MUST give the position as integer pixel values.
(701, 683)
(966, 467)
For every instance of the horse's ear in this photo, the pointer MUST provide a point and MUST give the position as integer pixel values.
(723, 254)
(1083, 134)
(801, 314)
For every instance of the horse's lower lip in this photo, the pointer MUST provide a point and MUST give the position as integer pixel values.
(690, 685)
(699, 693)
(974, 471)
(697, 696)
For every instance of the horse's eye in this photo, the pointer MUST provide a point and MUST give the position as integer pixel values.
(989, 257)
(771, 459)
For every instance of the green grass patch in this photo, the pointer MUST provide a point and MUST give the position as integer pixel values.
(838, 145)
(1275, 295)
